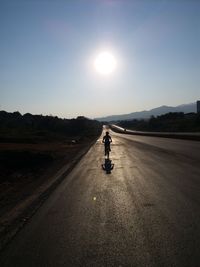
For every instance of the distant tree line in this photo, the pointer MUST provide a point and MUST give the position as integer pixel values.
(170, 122)
(17, 125)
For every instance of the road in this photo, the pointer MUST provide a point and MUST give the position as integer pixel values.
(146, 212)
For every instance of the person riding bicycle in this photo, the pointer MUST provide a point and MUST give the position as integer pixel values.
(107, 140)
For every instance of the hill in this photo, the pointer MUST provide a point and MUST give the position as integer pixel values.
(145, 114)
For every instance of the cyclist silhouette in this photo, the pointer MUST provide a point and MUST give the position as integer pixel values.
(107, 140)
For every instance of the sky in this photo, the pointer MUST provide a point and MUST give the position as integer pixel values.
(48, 49)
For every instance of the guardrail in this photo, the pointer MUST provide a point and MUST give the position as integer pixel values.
(187, 136)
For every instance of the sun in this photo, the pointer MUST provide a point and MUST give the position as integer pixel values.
(105, 63)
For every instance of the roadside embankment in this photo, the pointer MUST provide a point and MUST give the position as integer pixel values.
(25, 188)
(187, 136)
(36, 154)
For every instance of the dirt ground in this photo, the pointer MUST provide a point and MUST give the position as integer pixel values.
(24, 167)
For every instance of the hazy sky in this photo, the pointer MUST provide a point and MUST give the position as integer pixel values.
(47, 50)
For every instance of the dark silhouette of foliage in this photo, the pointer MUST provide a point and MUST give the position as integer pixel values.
(170, 122)
(16, 126)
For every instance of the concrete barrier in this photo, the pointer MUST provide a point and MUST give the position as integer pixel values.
(186, 136)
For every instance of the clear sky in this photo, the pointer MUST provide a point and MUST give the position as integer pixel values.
(48, 48)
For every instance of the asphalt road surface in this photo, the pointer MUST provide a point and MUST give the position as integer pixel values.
(145, 212)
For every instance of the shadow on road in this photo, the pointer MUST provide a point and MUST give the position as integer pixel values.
(108, 166)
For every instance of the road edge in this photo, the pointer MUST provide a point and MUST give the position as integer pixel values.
(26, 210)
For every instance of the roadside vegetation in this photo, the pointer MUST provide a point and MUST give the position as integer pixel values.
(15, 127)
(170, 122)
(34, 147)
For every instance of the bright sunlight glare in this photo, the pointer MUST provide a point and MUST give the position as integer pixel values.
(105, 63)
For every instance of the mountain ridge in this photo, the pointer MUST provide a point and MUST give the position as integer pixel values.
(145, 114)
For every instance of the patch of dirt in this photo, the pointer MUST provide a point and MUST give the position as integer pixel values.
(24, 167)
